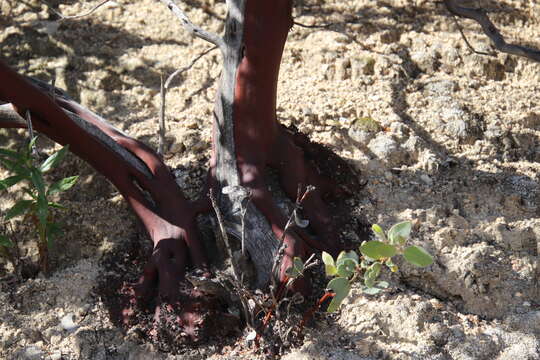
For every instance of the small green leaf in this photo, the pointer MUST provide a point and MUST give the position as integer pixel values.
(8, 164)
(383, 284)
(10, 153)
(346, 255)
(377, 250)
(329, 265)
(57, 206)
(346, 268)
(399, 233)
(378, 231)
(19, 208)
(42, 210)
(31, 144)
(54, 159)
(37, 181)
(4, 241)
(371, 274)
(10, 181)
(296, 269)
(417, 256)
(62, 185)
(369, 281)
(371, 290)
(341, 288)
(376, 269)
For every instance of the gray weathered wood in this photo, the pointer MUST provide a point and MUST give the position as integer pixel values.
(260, 241)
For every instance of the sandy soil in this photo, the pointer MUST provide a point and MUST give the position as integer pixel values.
(454, 146)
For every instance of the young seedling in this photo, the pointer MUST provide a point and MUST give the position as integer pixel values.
(38, 208)
(374, 255)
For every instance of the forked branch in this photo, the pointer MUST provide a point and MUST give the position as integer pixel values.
(192, 28)
(78, 16)
(479, 15)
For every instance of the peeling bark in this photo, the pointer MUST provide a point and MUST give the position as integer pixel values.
(248, 138)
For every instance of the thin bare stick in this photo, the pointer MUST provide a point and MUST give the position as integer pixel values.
(292, 218)
(471, 48)
(479, 15)
(161, 130)
(192, 28)
(224, 235)
(31, 133)
(323, 26)
(164, 87)
(187, 67)
(245, 203)
(238, 280)
(64, 17)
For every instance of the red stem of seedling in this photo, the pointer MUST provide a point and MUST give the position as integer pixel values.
(309, 314)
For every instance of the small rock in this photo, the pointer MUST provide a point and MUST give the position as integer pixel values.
(67, 323)
(386, 149)
(55, 355)
(362, 66)
(443, 87)
(425, 60)
(425, 178)
(31, 352)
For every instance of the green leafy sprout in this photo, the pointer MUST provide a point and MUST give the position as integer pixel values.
(374, 256)
(38, 207)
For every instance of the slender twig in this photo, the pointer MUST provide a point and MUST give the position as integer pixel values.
(324, 26)
(245, 204)
(224, 234)
(187, 67)
(238, 283)
(294, 214)
(471, 48)
(192, 28)
(161, 130)
(65, 17)
(479, 15)
(31, 134)
(164, 87)
(278, 294)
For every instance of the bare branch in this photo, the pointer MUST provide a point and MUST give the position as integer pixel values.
(164, 87)
(479, 15)
(64, 17)
(31, 134)
(192, 28)
(471, 48)
(187, 67)
(224, 235)
(161, 131)
(316, 26)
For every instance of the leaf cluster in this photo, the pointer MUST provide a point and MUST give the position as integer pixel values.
(37, 208)
(374, 256)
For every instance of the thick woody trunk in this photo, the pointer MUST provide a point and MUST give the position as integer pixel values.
(248, 137)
